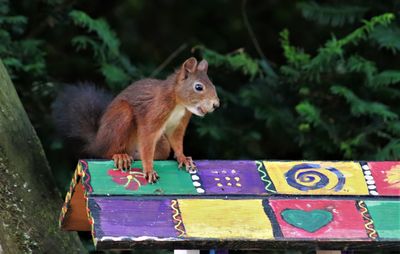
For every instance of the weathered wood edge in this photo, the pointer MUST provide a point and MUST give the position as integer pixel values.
(249, 196)
(234, 244)
(278, 242)
(64, 210)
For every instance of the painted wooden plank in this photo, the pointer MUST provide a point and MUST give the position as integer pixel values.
(248, 178)
(230, 177)
(385, 216)
(243, 244)
(316, 178)
(319, 219)
(106, 180)
(119, 218)
(385, 175)
(130, 221)
(225, 219)
(237, 204)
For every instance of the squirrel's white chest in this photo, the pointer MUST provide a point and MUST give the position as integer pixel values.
(174, 118)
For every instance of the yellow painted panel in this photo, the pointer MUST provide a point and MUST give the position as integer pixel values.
(317, 178)
(213, 218)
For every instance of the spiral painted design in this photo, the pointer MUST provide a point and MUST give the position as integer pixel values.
(177, 219)
(369, 225)
(301, 175)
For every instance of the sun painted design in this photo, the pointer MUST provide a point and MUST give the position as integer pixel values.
(131, 179)
(393, 177)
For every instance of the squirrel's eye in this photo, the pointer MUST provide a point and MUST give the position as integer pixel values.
(198, 87)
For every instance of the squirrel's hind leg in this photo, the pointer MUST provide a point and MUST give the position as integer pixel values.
(116, 137)
(122, 161)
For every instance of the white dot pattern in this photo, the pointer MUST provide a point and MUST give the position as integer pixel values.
(196, 181)
(369, 179)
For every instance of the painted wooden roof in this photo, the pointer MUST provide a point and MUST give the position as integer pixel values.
(236, 204)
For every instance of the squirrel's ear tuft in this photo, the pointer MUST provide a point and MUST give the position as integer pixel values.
(203, 65)
(190, 65)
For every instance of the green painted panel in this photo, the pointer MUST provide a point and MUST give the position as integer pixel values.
(106, 180)
(386, 217)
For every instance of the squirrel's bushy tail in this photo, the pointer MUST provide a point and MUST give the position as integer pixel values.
(77, 110)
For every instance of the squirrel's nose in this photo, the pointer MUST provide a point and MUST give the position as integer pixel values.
(216, 104)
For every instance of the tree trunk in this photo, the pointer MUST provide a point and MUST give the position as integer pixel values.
(29, 200)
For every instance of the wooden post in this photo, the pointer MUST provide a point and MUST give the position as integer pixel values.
(29, 200)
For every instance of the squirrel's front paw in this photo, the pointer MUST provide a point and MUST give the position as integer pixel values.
(122, 161)
(187, 161)
(151, 176)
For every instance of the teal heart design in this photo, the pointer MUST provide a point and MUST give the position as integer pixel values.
(309, 221)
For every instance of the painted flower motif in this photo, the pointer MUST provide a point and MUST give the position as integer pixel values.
(393, 177)
(131, 179)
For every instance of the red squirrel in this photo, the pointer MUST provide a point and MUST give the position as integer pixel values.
(149, 117)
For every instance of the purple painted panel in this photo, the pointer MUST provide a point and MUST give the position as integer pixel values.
(130, 218)
(230, 177)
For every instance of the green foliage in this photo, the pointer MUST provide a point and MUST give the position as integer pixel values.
(237, 61)
(334, 15)
(107, 41)
(21, 57)
(333, 102)
(387, 37)
(294, 56)
(361, 107)
(116, 68)
(387, 77)
(358, 64)
(369, 25)
(331, 75)
(309, 113)
(391, 150)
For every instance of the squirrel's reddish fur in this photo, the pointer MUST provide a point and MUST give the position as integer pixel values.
(150, 117)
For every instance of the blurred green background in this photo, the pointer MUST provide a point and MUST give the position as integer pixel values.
(297, 79)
